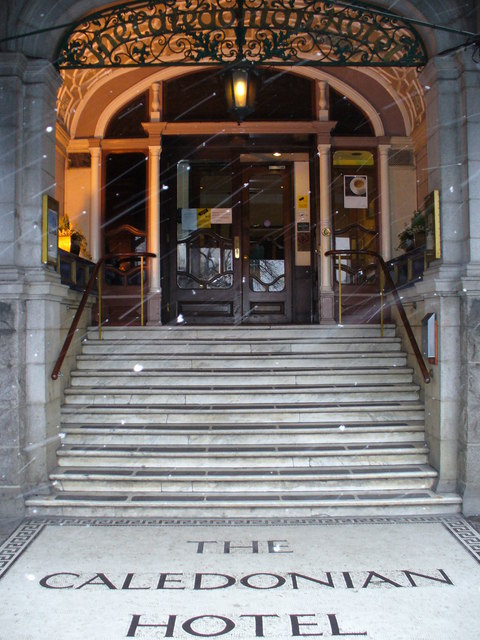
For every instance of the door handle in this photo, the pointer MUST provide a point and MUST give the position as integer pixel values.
(236, 247)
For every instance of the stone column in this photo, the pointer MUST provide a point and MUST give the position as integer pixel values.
(385, 226)
(445, 149)
(469, 436)
(32, 300)
(12, 68)
(12, 314)
(95, 245)
(324, 226)
(438, 293)
(153, 243)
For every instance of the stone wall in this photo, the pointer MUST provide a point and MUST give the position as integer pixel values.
(12, 398)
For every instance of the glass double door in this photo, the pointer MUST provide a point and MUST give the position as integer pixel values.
(231, 243)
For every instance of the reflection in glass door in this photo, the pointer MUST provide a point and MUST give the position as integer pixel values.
(354, 197)
(267, 239)
(230, 259)
(203, 278)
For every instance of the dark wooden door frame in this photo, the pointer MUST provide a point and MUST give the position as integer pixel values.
(282, 299)
(239, 296)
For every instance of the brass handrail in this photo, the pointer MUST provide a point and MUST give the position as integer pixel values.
(83, 302)
(396, 297)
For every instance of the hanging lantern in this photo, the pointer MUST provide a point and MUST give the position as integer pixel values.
(240, 82)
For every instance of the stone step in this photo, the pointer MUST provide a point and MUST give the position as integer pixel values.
(218, 397)
(260, 332)
(236, 456)
(216, 363)
(127, 480)
(345, 413)
(226, 505)
(242, 434)
(259, 379)
(231, 348)
(248, 422)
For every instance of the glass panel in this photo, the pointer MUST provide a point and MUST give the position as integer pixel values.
(222, 281)
(201, 97)
(267, 275)
(354, 214)
(350, 119)
(267, 242)
(204, 226)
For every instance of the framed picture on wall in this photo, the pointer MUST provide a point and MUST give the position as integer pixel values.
(50, 214)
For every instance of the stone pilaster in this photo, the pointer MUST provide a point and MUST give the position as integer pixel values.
(34, 307)
(41, 82)
(324, 226)
(12, 69)
(95, 200)
(385, 222)
(451, 287)
(442, 94)
(469, 437)
(154, 294)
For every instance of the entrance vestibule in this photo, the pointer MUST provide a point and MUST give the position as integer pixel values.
(229, 248)
(240, 214)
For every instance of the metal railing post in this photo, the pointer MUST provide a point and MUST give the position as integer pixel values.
(339, 290)
(381, 303)
(141, 291)
(99, 289)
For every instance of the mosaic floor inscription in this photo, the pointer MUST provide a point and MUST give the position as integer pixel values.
(374, 578)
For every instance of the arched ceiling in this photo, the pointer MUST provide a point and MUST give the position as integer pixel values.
(395, 95)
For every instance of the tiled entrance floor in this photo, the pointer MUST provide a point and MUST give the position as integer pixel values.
(380, 578)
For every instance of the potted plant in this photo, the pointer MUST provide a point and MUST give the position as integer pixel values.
(407, 239)
(71, 239)
(414, 234)
(418, 228)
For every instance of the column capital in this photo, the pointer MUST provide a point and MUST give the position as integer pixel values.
(155, 131)
(439, 68)
(155, 150)
(324, 148)
(42, 72)
(383, 149)
(12, 64)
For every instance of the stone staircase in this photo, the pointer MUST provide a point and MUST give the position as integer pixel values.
(234, 421)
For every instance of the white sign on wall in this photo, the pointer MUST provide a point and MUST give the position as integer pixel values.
(355, 192)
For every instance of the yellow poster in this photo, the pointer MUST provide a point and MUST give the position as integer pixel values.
(302, 202)
(204, 218)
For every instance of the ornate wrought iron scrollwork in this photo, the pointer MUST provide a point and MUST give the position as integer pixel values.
(306, 32)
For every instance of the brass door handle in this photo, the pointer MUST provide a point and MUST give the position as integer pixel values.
(236, 247)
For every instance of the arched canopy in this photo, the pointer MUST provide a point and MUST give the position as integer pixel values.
(276, 32)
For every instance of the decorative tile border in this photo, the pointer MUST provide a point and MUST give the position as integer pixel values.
(31, 528)
(466, 535)
(18, 543)
(239, 522)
